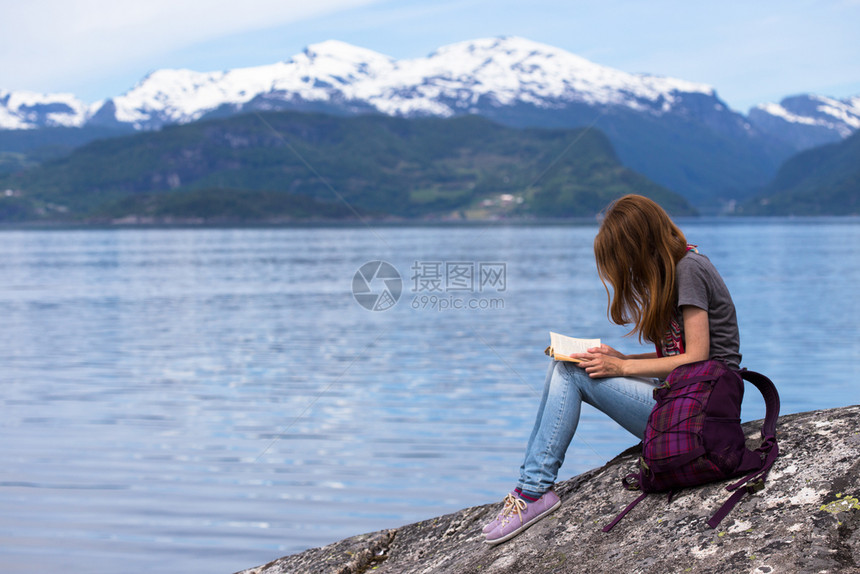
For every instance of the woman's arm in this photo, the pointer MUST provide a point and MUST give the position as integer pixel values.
(606, 362)
(642, 356)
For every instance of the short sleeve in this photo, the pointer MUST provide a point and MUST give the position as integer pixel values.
(692, 284)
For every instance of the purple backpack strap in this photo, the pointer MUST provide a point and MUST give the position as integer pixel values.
(624, 512)
(769, 448)
(752, 487)
(771, 401)
(760, 462)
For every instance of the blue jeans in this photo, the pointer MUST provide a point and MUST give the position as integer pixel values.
(628, 401)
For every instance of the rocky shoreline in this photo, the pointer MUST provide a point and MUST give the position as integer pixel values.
(807, 519)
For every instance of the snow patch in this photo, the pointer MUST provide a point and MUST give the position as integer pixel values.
(26, 110)
(780, 112)
(453, 79)
(464, 77)
(842, 116)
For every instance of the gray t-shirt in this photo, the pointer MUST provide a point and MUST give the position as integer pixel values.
(700, 285)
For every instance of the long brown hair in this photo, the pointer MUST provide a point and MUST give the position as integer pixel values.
(637, 249)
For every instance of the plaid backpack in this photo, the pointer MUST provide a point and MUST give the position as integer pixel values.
(694, 435)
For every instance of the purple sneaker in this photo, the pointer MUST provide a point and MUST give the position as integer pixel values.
(521, 515)
(510, 500)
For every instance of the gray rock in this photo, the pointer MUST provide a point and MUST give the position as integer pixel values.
(806, 520)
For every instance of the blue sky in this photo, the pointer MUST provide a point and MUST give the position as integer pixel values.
(751, 52)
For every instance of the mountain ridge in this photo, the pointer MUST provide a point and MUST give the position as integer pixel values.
(824, 180)
(807, 120)
(505, 69)
(679, 134)
(464, 167)
(509, 70)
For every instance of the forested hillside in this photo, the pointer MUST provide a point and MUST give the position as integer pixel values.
(373, 164)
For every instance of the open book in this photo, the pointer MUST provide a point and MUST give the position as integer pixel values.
(561, 347)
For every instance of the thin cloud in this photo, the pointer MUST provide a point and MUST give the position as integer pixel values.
(750, 52)
(43, 40)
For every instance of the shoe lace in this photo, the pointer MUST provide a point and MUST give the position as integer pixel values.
(512, 505)
(509, 501)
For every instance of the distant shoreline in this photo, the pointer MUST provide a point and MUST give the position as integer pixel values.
(221, 223)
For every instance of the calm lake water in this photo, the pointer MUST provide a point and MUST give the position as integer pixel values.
(207, 400)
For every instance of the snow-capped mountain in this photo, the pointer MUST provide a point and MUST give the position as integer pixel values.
(27, 110)
(322, 73)
(807, 120)
(456, 79)
(676, 132)
(488, 76)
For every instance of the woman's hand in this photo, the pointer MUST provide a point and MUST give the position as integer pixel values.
(602, 361)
